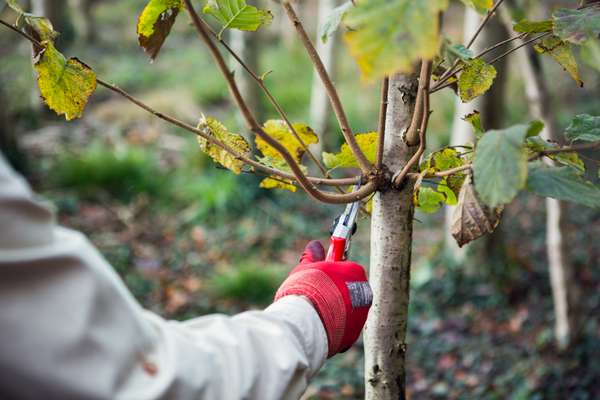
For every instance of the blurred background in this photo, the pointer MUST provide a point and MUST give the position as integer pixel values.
(189, 238)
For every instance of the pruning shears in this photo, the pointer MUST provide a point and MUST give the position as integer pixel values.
(342, 230)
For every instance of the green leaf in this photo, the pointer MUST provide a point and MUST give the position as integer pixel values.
(536, 144)
(476, 79)
(333, 21)
(65, 85)
(577, 26)
(344, 158)
(584, 127)
(428, 200)
(155, 23)
(590, 54)
(526, 26)
(535, 127)
(475, 120)
(449, 193)
(388, 36)
(562, 183)
(454, 52)
(482, 6)
(236, 14)
(214, 128)
(500, 165)
(472, 219)
(561, 52)
(279, 130)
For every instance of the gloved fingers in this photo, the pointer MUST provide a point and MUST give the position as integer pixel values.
(313, 252)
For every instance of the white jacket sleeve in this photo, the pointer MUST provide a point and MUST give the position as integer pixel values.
(69, 328)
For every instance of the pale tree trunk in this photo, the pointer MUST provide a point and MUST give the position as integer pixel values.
(564, 288)
(462, 132)
(391, 246)
(246, 46)
(83, 19)
(319, 102)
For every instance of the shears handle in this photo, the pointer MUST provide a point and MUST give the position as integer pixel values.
(337, 249)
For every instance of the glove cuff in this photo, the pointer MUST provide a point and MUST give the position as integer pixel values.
(325, 296)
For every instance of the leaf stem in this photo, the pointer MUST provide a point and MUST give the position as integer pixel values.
(336, 104)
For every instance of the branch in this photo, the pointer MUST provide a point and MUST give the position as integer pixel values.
(382, 116)
(423, 96)
(258, 130)
(260, 82)
(336, 104)
(450, 71)
(209, 138)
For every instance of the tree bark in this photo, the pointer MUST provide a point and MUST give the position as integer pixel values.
(391, 246)
(319, 102)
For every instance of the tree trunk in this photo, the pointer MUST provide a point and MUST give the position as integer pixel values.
(462, 132)
(83, 19)
(319, 102)
(564, 289)
(391, 246)
(246, 46)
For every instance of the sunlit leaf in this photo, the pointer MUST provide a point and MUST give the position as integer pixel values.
(561, 52)
(577, 26)
(279, 130)
(500, 165)
(450, 194)
(333, 21)
(214, 128)
(155, 23)
(562, 183)
(476, 79)
(472, 218)
(276, 182)
(65, 85)
(475, 120)
(387, 36)
(526, 26)
(584, 127)
(237, 14)
(482, 6)
(344, 158)
(39, 28)
(535, 128)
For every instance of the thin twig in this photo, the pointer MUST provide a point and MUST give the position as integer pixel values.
(450, 71)
(412, 133)
(336, 104)
(325, 197)
(385, 85)
(261, 84)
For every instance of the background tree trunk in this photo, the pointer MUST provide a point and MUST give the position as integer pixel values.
(562, 280)
(391, 246)
(319, 102)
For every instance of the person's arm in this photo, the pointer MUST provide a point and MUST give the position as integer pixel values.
(70, 328)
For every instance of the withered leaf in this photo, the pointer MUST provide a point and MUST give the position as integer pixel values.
(472, 218)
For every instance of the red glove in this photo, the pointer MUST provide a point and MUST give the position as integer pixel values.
(338, 290)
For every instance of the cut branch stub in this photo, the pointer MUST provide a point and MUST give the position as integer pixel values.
(473, 219)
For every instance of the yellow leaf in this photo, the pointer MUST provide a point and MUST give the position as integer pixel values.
(279, 130)
(214, 128)
(481, 6)
(155, 23)
(277, 183)
(388, 36)
(476, 79)
(65, 85)
(561, 52)
(344, 158)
